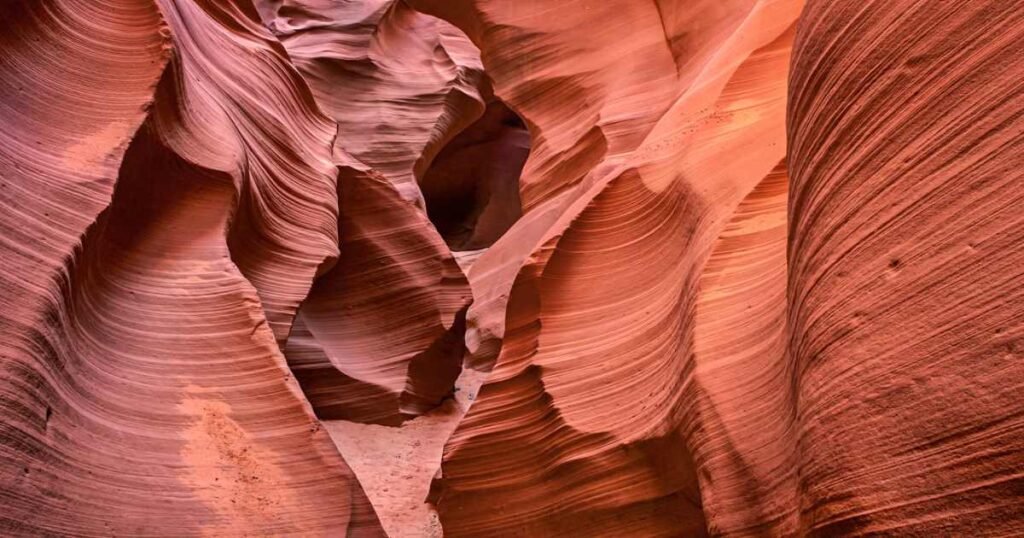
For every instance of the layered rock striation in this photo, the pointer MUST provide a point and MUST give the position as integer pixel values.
(492, 268)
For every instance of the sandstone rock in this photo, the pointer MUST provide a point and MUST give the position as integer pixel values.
(493, 268)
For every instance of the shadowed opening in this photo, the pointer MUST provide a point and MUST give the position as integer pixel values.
(472, 186)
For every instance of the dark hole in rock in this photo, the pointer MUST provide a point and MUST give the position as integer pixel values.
(472, 187)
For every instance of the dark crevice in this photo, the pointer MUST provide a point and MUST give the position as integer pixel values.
(472, 187)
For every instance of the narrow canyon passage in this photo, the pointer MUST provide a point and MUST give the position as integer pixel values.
(543, 268)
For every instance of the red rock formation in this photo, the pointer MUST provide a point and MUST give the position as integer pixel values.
(144, 389)
(395, 277)
(598, 384)
(723, 267)
(398, 83)
(906, 246)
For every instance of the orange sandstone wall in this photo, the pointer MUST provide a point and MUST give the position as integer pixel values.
(511, 268)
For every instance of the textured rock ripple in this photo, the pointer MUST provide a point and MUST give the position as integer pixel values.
(495, 268)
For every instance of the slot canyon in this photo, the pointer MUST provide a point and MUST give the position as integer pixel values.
(524, 268)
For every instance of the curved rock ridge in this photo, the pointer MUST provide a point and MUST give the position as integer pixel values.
(589, 78)
(399, 84)
(155, 312)
(395, 278)
(589, 99)
(149, 306)
(395, 83)
(906, 248)
(492, 268)
(90, 68)
(745, 436)
(239, 107)
(597, 383)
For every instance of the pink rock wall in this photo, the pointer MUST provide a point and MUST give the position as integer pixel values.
(492, 268)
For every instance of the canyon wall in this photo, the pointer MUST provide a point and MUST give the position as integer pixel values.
(495, 268)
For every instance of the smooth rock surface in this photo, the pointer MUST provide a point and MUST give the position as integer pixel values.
(422, 268)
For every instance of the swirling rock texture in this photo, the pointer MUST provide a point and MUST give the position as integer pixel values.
(905, 267)
(493, 268)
